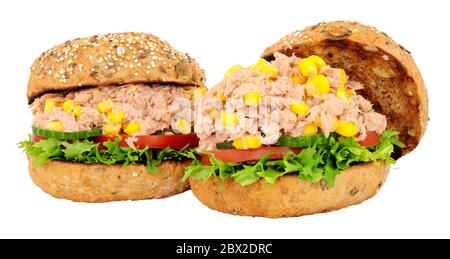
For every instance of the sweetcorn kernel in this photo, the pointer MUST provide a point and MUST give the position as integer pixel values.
(228, 119)
(213, 114)
(341, 93)
(200, 91)
(307, 67)
(318, 61)
(67, 106)
(131, 128)
(238, 143)
(232, 70)
(249, 142)
(318, 84)
(298, 80)
(221, 96)
(49, 105)
(182, 126)
(112, 128)
(310, 129)
(266, 67)
(344, 77)
(115, 117)
(346, 128)
(253, 142)
(252, 98)
(55, 125)
(105, 106)
(76, 111)
(300, 108)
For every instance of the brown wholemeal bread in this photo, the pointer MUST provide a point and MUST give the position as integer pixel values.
(391, 79)
(111, 59)
(103, 183)
(392, 83)
(289, 196)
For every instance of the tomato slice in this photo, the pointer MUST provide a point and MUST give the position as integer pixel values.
(247, 155)
(154, 141)
(36, 138)
(372, 139)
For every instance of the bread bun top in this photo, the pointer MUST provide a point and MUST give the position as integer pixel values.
(111, 59)
(391, 79)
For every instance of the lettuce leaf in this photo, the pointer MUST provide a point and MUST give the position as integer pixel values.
(321, 159)
(86, 151)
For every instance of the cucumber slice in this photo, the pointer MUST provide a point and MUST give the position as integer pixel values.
(225, 145)
(301, 141)
(66, 135)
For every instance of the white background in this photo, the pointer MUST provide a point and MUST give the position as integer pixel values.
(413, 203)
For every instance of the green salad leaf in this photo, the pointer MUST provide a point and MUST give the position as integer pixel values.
(321, 159)
(86, 151)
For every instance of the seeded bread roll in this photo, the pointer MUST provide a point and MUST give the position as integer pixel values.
(392, 83)
(103, 183)
(111, 59)
(391, 79)
(289, 196)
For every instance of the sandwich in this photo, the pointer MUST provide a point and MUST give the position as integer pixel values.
(312, 126)
(112, 118)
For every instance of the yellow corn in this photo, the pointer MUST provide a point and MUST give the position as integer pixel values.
(298, 80)
(344, 77)
(115, 117)
(349, 92)
(335, 123)
(67, 106)
(131, 128)
(318, 84)
(248, 142)
(228, 119)
(346, 129)
(232, 70)
(253, 142)
(213, 114)
(105, 106)
(318, 121)
(266, 67)
(318, 61)
(55, 125)
(200, 91)
(252, 98)
(182, 126)
(310, 129)
(307, 67)
(133, 88)
(221, 96)
(238, 143)
(76, 110)
(341, 93)
(49, 105)
(112, 128)
(300, 108)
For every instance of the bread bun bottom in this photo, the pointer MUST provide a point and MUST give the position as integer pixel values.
(103, 183)
(289, 196)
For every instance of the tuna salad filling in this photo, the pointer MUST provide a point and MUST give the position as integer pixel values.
(132, 123)
(145, 110)
(290, 115)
